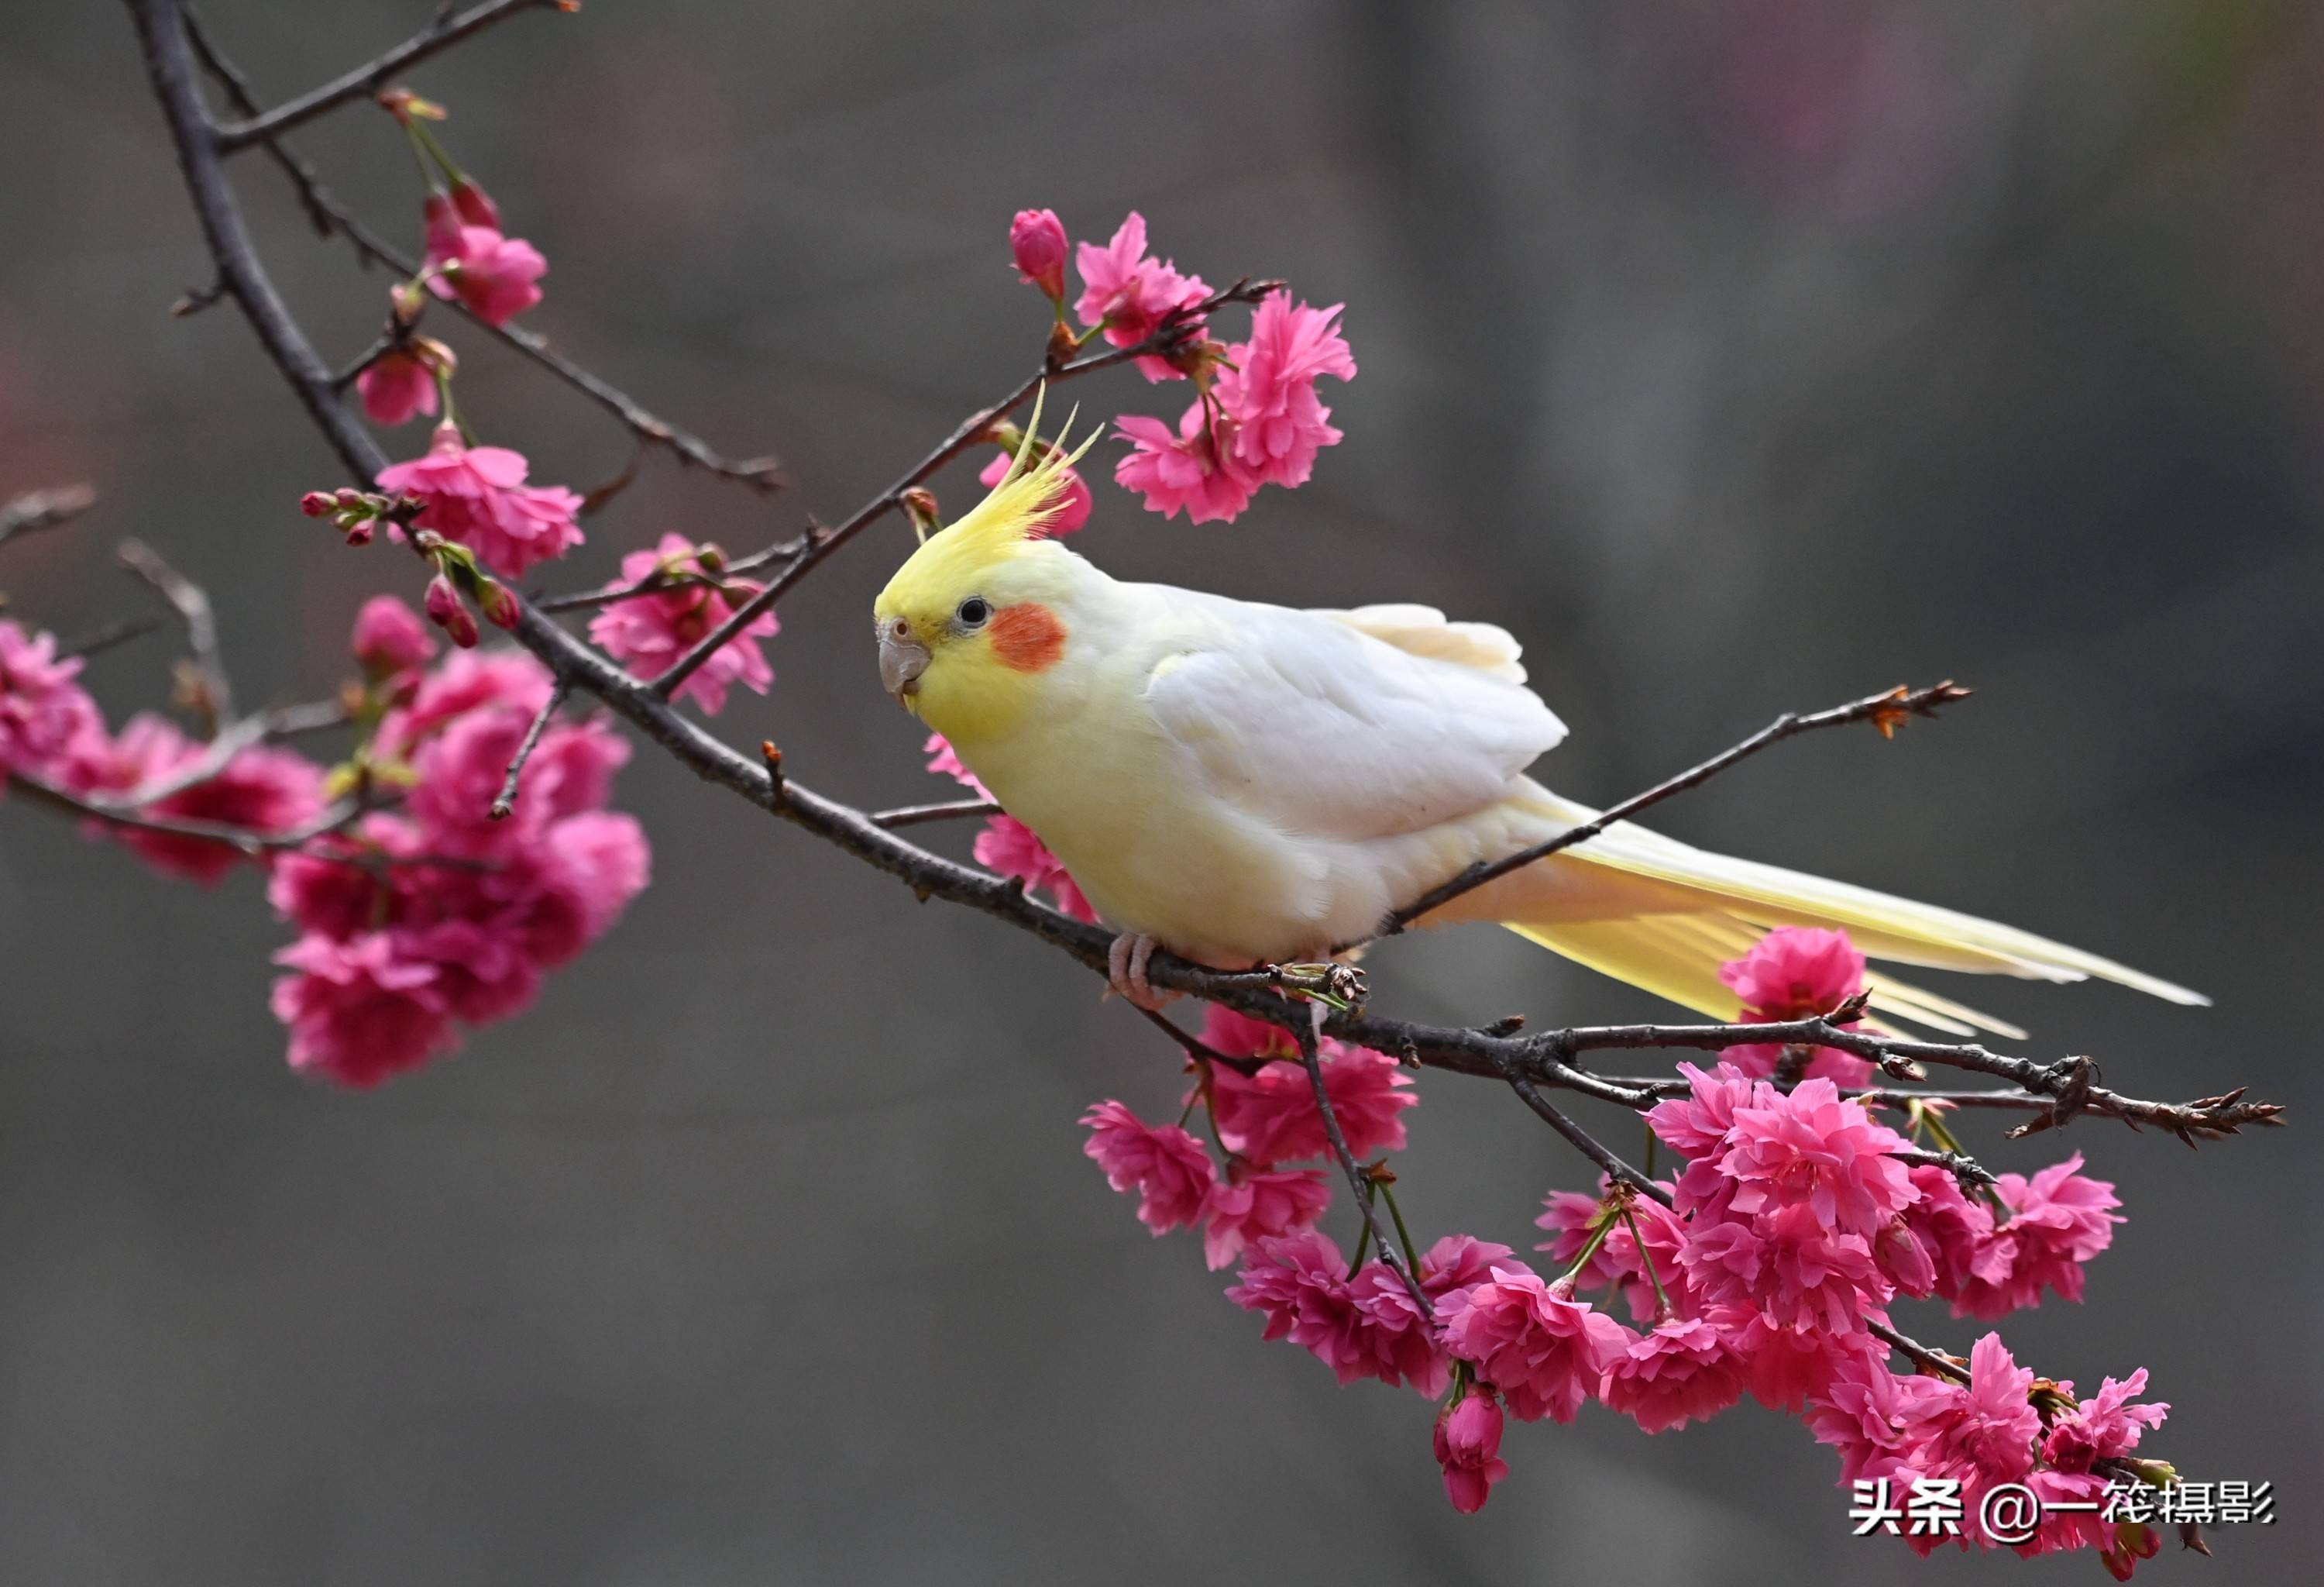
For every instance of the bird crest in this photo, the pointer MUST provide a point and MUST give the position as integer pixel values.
(1025, 502)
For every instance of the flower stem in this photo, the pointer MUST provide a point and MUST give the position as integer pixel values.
(1646, 1259)
(1403, 1235)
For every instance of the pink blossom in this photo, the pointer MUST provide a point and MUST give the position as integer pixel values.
(1545, 1350)
(1797, 973)
(1684, 1370)
(1456, 1263)
(493, 275)
(1239, 1035)
(1037, 246)
(1270, 1117)
(476, 496)
(1816, 1149)
(452, 918)
(389, 637)
(2105, 1426)
(1572, 1218)
(1131, 294)
(358, 1013)
(1363, 1326)
(1252, 1206)
(1468, 1442)
(1266, 387)
(447, 612)
(44, 712)
(1699, 1122)
(1873, 1417)
(396, 386)
(943, 761)
(1194, 469)
(1785, 1368)
(1168, 1168)
(1072, 513)
(262, 790)
(2057, 1220)
(474, 206)
(1007, 847)
(1947, 1228)
(648, 633)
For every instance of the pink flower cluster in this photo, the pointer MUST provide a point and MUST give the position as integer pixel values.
(1257, 418)
(1261, 423)
(476, 496)
(648, 633)
(1796, 973)
(1007, 847)
(1179, 1186)
(50, 729)
(493, 274)
(416, 922)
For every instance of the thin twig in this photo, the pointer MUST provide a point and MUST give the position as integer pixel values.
(1197, 1049)
(104, 638)
(661, 579)
(1171, 331)
(505, 806)
(48, 509)
(949, 810)
(192, 604)
(331, 217)
(1301, 1028)
(368, 78)
(1886, 711)
(1973, 1175)
(1587, 1144)
(1931, 1361)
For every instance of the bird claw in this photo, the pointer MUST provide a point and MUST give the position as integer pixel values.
(1125, 966)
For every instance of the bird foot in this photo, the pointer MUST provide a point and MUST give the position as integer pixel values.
(1125, 965)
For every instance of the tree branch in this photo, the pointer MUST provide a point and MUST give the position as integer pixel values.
(949, 810)
(48, 509)
(504, 806)
(442, 33)
(192, 604)
(1886, 711)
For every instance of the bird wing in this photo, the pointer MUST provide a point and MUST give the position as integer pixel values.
(1304, 720)
(1423, 630)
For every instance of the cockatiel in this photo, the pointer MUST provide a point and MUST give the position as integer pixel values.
(1247, 784)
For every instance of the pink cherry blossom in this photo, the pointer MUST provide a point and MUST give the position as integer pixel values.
(1699, 1122)
(1270, 1117)
(1266, 389)
(1131, 294)
(1684, 1369)
(1814, 1148)
(451, 917)
(1785, 1368)
(1948, 1229)
(1072, 513)
(1545, 1350)
(1456, 1263)
(1797, 973)
(474, 206)
(1167, 1168)
(395, 387)
(1194, 469)
(943, 761)
(648, 633)
(1255, 1205)
(44, 712)
(2057, 1220)
(476, 496)
(389, 637)
(1037, 246)
(1007, 847)
(262, 790)
(493, 275)
(1572, 1219)
(2105, 1426)
(1366, 1325)
(1468, 1439)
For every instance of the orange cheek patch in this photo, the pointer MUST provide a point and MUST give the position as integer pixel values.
(1027, 636)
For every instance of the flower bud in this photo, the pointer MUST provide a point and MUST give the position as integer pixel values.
(475, 204)
(359, 531)
(920, 506)
(498, 603)
(445, 611)
(389, 638)
(318, 504)
(1037, 242)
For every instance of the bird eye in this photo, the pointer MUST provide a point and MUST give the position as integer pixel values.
(973, 611)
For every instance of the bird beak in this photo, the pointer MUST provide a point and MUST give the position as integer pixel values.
(902, 660)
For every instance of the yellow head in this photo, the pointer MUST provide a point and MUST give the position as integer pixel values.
(971, 621)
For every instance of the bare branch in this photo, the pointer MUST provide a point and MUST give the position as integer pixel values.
(48, 509)
(1934, 1361)
(1588, 1145)
(192, 604)
(1294, 1018)
(442, 33)
(950, 810)
(1885, 711)
(104, 638)
(506, 806)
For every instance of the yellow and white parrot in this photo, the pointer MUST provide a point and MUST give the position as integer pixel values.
(1245, 784)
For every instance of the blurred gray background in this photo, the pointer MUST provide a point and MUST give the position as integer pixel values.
(1738, 354)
